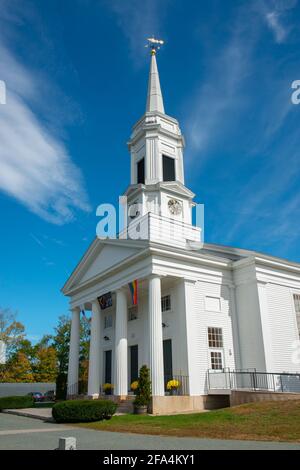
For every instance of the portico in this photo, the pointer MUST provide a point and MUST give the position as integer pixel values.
(149, 338)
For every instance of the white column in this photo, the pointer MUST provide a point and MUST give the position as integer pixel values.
(73, 368)
(121, 371)
(156, 359)
(95, 352)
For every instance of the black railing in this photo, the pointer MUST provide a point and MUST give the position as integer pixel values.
(77, 389)
(226, 379)
(176, 385)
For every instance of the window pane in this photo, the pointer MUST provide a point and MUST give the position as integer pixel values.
(215, 337)
(165, 303)
(108, 321)
(141, 171)
(132, 313)
(168, 168)
(216, 360)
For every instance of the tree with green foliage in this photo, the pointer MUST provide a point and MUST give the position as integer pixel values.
(60, 341)
(12, 332)
(143, 391)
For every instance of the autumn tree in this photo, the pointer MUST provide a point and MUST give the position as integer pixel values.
(45, 368)
(18, 369)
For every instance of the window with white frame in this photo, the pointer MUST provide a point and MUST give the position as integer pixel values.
(297, 310)
(132, 313)
(215, 337)
(108, 321)
(216, 360)
(213, 304)
(166, 303)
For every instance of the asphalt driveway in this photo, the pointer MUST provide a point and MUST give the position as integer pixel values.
(22, 433)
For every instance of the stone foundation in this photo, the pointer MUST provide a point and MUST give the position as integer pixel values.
(170, 405)
(238, 397)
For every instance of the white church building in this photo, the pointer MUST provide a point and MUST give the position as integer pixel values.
(202, 309)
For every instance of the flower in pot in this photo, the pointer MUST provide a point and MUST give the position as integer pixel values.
(108, 388)
(143, 392)
(134, 386)
(173, 386)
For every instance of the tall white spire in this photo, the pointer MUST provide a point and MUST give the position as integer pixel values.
(154, 98)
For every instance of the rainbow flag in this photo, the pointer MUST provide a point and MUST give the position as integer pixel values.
(133, 287)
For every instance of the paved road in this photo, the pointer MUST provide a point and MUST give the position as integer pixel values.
(18, 433)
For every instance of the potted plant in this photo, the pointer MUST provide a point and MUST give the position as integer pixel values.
(173, 386)
(134, 386)
(108, 388)
(143, 392)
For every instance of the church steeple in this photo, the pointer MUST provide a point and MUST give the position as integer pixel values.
(154, 97)
(156, 147)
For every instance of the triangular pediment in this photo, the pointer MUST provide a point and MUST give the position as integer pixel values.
(101, 257)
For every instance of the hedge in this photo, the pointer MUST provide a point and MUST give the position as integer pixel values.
(83, 411)
(16, 402)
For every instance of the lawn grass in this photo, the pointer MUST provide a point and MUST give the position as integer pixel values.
(264, 421)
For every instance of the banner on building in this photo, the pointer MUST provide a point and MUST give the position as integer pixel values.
(105, 301)
(133, 287)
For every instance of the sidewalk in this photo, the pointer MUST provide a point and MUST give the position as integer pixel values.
(45, 414)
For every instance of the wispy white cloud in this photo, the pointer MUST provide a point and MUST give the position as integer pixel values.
(213, 107)
(139, 19)
(275, 13)
(266, 207)
(37, 240)
(36, 168)
(273, 19)
(240, 98)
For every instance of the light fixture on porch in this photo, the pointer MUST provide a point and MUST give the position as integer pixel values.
(164, 325)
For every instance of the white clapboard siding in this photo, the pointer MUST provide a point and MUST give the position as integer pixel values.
(202, 320)
(283, 328)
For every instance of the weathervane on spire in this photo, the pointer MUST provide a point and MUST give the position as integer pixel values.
(154, 44)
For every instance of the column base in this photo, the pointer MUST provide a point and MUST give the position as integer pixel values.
(93, 396)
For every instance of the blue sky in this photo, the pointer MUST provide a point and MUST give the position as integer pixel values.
(76, 75)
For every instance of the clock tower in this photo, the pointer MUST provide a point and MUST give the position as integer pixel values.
(156, 147)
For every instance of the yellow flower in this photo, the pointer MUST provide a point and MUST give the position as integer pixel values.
(134, 385)
(173, 384)
(107, 387)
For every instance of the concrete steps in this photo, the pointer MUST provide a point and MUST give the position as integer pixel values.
(125, 405)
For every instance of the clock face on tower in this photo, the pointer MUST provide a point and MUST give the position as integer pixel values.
(175, 207)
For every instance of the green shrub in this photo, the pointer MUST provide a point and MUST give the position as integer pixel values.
(16, 402)
(143, 391)
(83, 411)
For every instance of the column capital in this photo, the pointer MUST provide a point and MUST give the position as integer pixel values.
(155, 276)
(75, 309)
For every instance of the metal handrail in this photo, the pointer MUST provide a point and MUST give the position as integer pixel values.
(183, 380)
(283, 382)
